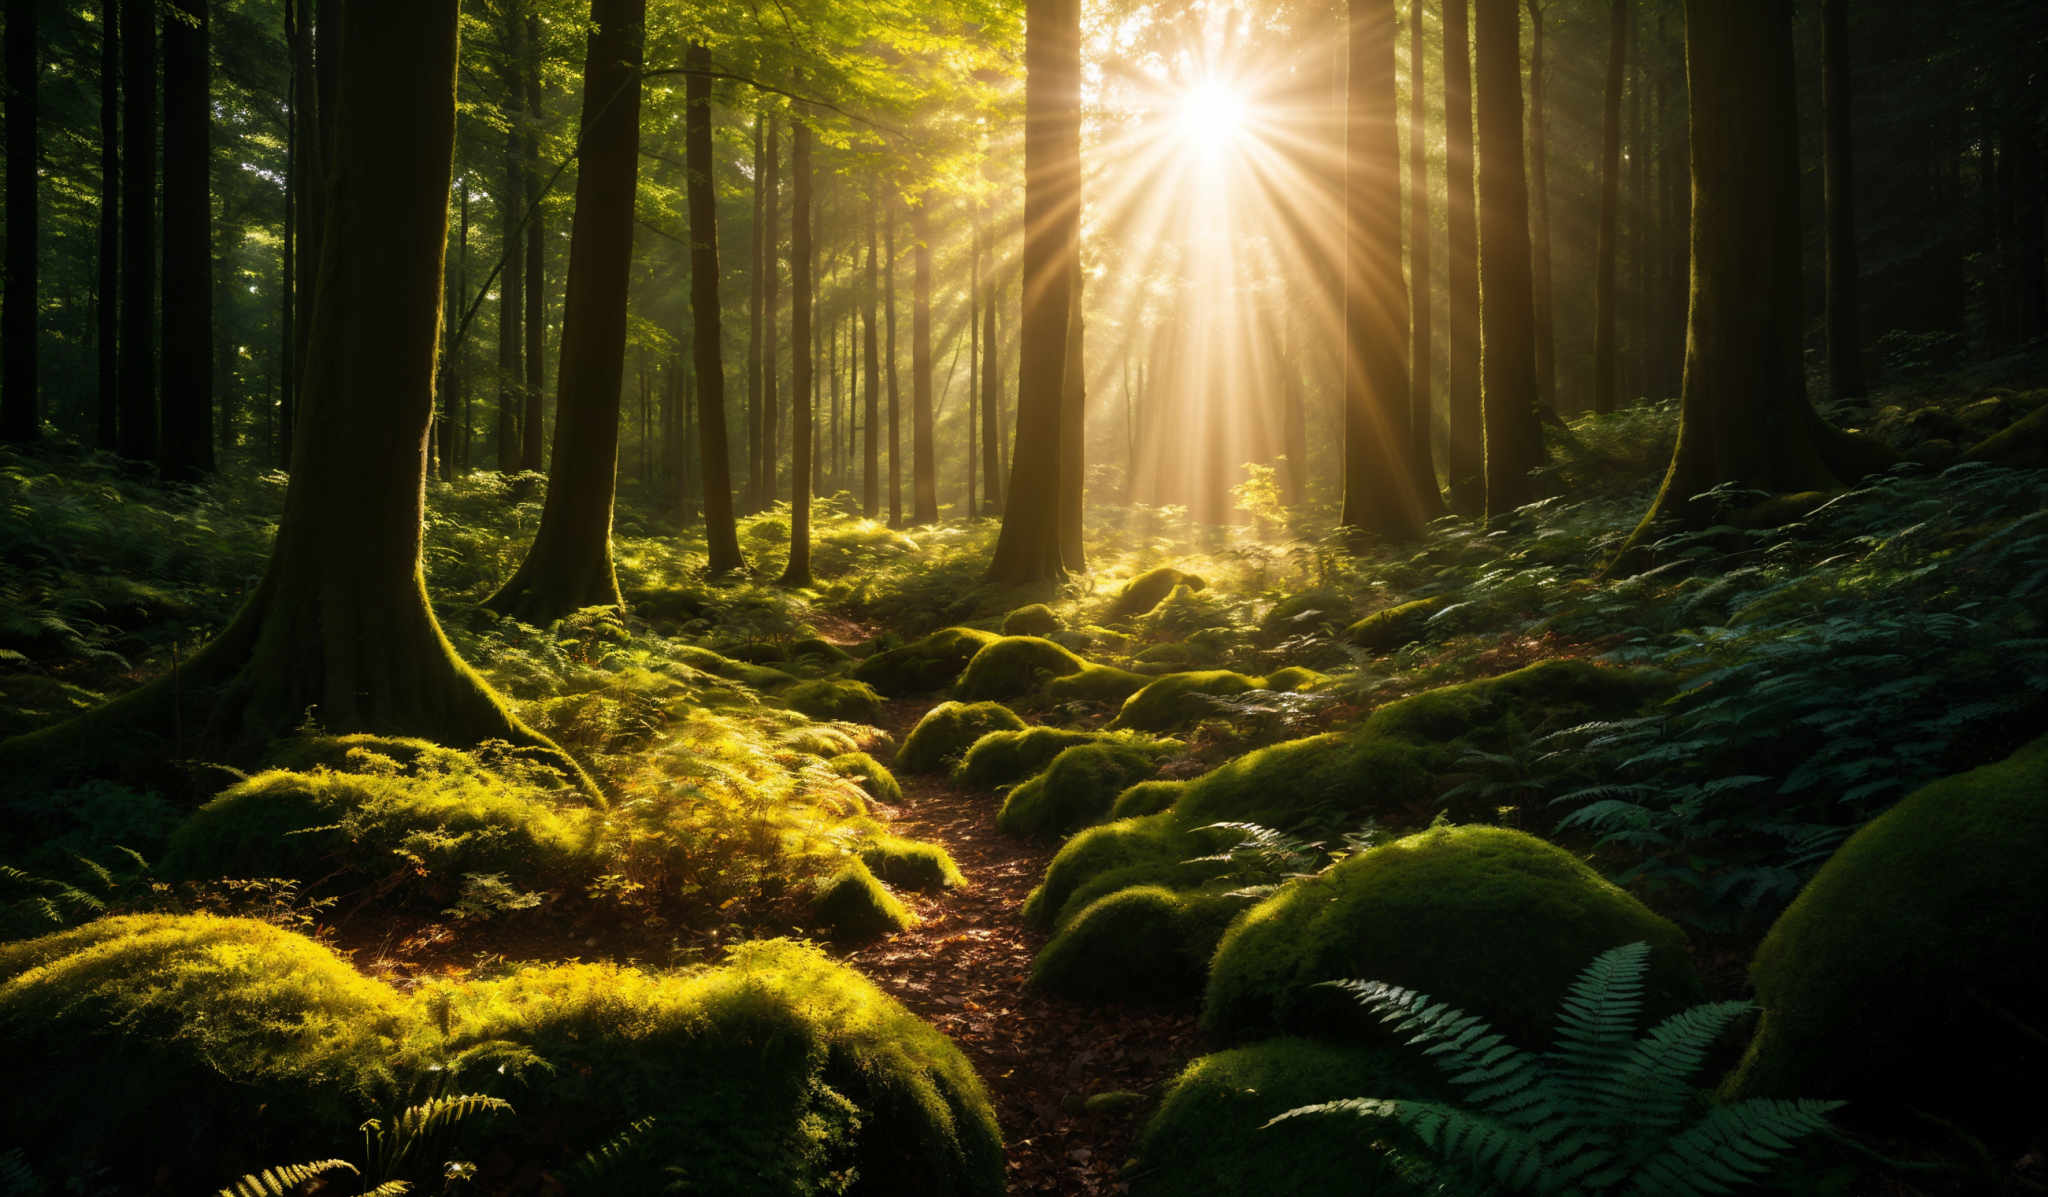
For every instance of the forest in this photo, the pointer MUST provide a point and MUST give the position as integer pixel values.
(959, 597)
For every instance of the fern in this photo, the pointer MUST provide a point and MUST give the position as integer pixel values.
(284, 1179)
(1603, 1111)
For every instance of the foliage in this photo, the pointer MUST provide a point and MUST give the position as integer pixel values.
(946, 732)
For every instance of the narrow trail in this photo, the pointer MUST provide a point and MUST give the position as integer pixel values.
(966, 969)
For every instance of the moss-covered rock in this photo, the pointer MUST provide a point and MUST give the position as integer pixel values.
(817, 648)
(1188, 611)
(948, 730)
(1146, 591)
(1301, 614)
(835, 698)
(923, 665)
(1147, 943)
(1034, 620)
(1102, 685)
(910, 864)
(763, 678)
(873, 776)
(1525, 916)
(852, 904)
(1180, 698)
(1146, 798)
(1078, 787)
(1007, 757)
(1210, 1136)
(2023, 444)
(1386, 630)
(1294, 679)
(1014, 666)
(1900, 974)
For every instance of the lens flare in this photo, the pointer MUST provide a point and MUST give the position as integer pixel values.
(1211, 115)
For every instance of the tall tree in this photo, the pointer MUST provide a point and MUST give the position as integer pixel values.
(889, 365)
(798, 570)
(752, 496)
(1845, 355)
(533, 424)
(1028, 549)
(1514, 437)
(108, 330)
(1539, 216)
(1605, 266)
(924, 469)
(512, 264)
(19, 418)
(1420, 458)
(1074, 392)
(137, 440)
(771, 317)
(871, 351)
(721, 533)
(1467, 442)
(570, 563)
(186, 452)
(1380, 494)
(991, 390)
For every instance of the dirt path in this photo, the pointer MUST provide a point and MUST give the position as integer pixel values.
(966, 968)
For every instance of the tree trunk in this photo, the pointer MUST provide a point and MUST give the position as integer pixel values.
(1074, 392)
(1028, 548)
(314, 51)
(138, 430)
(187, 449)
(19, 418)
(533, 425)
(871, 438)
(1635, 384)
(1467, 446)
(1420, 457)
(991, 390)
(973, 361)
(756, 259)
(511, 281)
(771, 316)
(1845, 354)
(1514, 436)
(798, 571)
(1539, 213)
(721, 533)
(570, 564)
(924, 473)
(889, 320)
(108, 406)
(1610, 212)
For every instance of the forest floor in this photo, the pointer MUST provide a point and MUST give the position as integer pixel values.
(965, 968)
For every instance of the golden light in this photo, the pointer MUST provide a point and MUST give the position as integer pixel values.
(1211, 115)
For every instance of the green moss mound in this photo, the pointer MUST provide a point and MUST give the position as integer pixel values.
(1301, 614)
(1007, 757)
(1149, 589)
(835, 699)
(852, 904)
(911, 864)
(1103, 685)
(1180, 698)
(1034, 620)
(1015, 666)
(1078, 787)
(1294, 679)
(1894, 977)
(948, 730)
(1210, 1136)
(1525, 916)
(924, 665)
(1146, 798)
(1144, 944)
(763, 678)
(873, 776)
(1188, 612)
(1386, 630)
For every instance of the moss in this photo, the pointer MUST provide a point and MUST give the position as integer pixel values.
(1294, 679)
(1386, 630)
(1180, 698)
(923, 665)
(1940, 905)
(758, 677)
(1102, 685)
(851, 905)
(1034, 620)
(1078, 787)
(1491, 712)
(1007, 757)
(1172, 653)
(948, 730)
(1525, 916)
(874, 777)
(1146, 943)
(1014, 666)
(1147, 798)
(833, 698)
(817, 648)
(1146, 591)
(1187, 612)
(1113, 1103)
(1300, 614)
(2024, 444)
(1210, 1134)
(28, 701)
(910, 864)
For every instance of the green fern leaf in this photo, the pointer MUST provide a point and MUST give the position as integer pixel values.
(279, 1181)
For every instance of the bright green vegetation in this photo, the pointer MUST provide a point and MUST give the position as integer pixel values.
(948, 730)
(835, 698)
(1015, 666)
(1079, 786)
(910, 864)
(853, 904)
(1143, 943)
(873, 776)
(1102, 685)
(1182, 698)
(1386, 630)
(1034, 620)
(1147, 590)
(930, 663)
(1003, 758)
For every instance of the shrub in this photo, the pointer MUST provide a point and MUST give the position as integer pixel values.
(839, 699)
(910, 864)
(851, 905)
(948, 730)
(1078, 787)
(873, 776)
(1006, 757)
(924, 665)
(1014, 666)
(1034, 620)
(1189, 612)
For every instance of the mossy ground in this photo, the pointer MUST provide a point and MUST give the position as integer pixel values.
(1079, 786)
(945, 733)
(1014, 667)
(1004, 758)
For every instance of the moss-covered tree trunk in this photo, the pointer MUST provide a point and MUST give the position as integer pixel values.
(1074, 392)
(186, 451)
(138, 431)
(1028, 547)
(991, 389)
(570, 563)
(339, 630)
(19, 418)
(1604, 266)
(721, 533)
(1514, 436)
(1467, 451)
(798, 571)
(512, 266)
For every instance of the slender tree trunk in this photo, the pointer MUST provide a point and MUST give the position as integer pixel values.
(1514, 436)
(1074, 391)
(461, 372)
(924, 474)
(187, 447)
(756, 266)
(1467, 446)
(1028, 549)
(533, 426)
(1419, 455)
(991, 389)
(312, 60)
(721, 533)
(1845, 356)
(1636, 302)
(1294, 410)
(108, 405)
(889, 319)
(20, 420)
(973, 359)
(798, 571)
(871, 440)
(1539, 211)
(771, 317)
(511, 280)
(138, 431)
(570, 563)
(1610, 212)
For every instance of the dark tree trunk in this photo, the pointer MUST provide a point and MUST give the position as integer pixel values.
(570, 564)
(889, 366)
(1539, 217)
(924, 471)
(1634, 382)
(19, 418)
(187, 449)
(511, 284)
(1514, 436)
(973, 360)
(871, 440)
(756, 267)
(771, 316)
(1380, 493)
(1845, 353)
(1028, 549)
(991, 390)
(721, 533)
(1605, 267)
(108, 405)
(798, 571)
(1467, 445)
(1420, 457)
(533, 425)
(313, 52)
(1074, 393)
(138, 431)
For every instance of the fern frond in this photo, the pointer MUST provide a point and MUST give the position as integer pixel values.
(282, 1179)
(1731, 1146)
(417, 1124)
(595, 1164)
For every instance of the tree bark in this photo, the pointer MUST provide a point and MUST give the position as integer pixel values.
(512, 276)
(1467, 445)
(1420, 457)
(1074, 392)
(570, 564)
(20, 420)
(871, 439)
(798, 571)
(1845, 356)
(721, 532)
(1514, 434)
(186, 453)
(924, 471)
(991, 389)
(771, 316)
(138, 429)
(533, 425)
(751, 496)
(1605, 267)
(1539, 214)
(889, 319)
(108, 407)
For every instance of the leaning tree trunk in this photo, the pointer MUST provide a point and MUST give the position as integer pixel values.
(570, 564)
(339, 629)
(1610, 213)
(1420, 457)
(924, 470)
(19, 420)
(798, 571)
(186, 453)
(721, 534)
(1514, 437)
(1028, 547)
(137, 439)
(871, 354)
(1845, 354)
(1380, 493)
(1467, 444)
